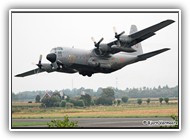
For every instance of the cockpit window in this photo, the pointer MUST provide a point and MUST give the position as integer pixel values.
(55, 50)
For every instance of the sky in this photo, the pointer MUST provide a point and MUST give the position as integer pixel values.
(37, 33)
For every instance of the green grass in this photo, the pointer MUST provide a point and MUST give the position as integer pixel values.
(19, 124)
(154, 109)
(99, 111)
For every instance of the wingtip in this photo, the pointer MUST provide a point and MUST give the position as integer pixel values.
(18, 75)
(170, 21)
(166, 49)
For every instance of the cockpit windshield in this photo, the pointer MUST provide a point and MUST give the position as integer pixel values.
(57, 49)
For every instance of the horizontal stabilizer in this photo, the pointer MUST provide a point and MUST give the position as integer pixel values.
(151, 54)
(35, 71)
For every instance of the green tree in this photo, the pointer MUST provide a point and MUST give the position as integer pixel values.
(107, 97)
(67, 98)
(63, 103)
(104, 101)
(148, 101)
(80, 103)
(125, 99)
(108, 92)
(166, 100)
(37, 99)
(139, 101)
(87, 99)
(161, 100)
(52, 101)
(56, 93)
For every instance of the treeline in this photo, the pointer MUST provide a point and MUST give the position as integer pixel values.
(145, 92)
(107, 97)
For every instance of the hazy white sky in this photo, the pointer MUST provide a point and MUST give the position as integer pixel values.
(37, 33)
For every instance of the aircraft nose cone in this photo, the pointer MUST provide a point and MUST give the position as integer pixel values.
(51, 57)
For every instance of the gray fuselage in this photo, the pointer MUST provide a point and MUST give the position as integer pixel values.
(89, 62)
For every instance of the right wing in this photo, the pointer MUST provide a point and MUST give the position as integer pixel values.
(151, 29)
(31, 72)
(144, 34)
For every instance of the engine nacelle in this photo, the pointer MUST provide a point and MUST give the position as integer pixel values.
(104, 48)
(122, 49)
(125, 38)
(47, 67)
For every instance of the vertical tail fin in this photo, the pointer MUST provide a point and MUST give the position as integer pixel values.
(138, 46)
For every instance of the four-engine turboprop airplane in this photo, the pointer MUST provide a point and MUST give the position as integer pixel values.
(104, 58)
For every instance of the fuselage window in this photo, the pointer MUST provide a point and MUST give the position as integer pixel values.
(59, 54)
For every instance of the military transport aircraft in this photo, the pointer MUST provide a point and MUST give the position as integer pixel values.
(104, 58)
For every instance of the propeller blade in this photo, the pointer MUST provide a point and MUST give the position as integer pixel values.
(121, 33)
(114, 29)
(39, 63)
(92, 38)
(40, 57)
(40, 60)
(97, 44)
(100, 41)
(33, 63)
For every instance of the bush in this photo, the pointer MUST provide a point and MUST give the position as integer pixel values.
(160, 100)
(87, 99)
(104, 101)
(148, 101)
(69, 105)
(52, 101)
(139, 101)
(166, 100)
(63, 103)
(63, 123)
(79, 103)
(125, 99)
(38, 98)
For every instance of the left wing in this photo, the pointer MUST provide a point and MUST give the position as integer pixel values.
(151, 54)
(31, 72)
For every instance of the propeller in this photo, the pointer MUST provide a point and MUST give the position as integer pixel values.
(97, 45)
(117, 36)
(40, 62)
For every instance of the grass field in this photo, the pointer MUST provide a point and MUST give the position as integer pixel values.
(154, 109)
(24, 110)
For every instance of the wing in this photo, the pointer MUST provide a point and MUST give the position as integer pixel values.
(143, 34)
(151, 54)
(35, 71)
(151, 29)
